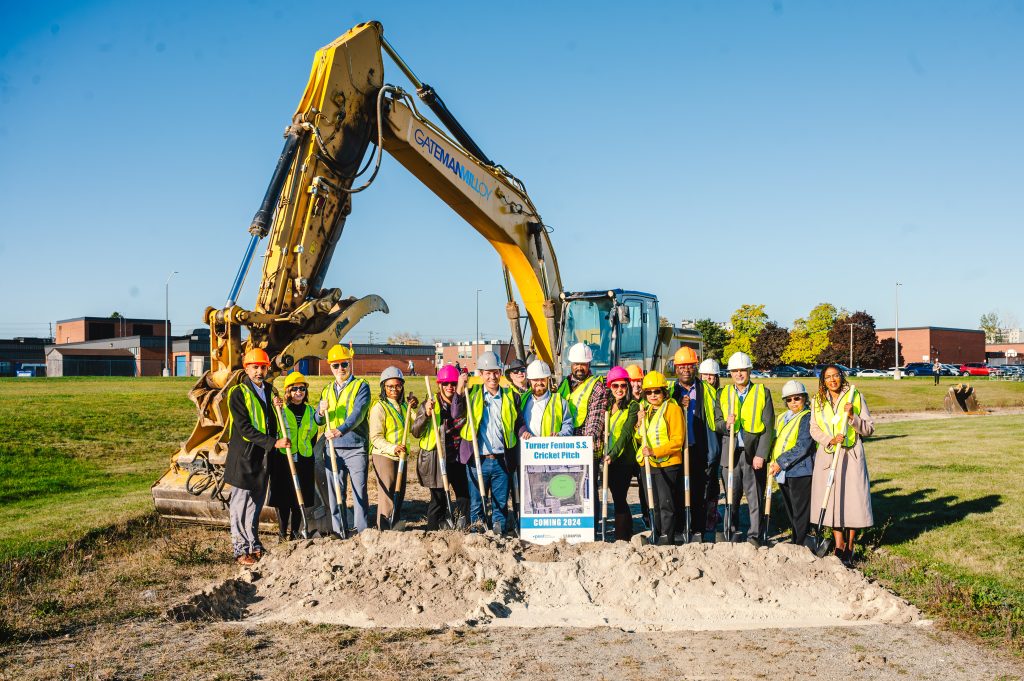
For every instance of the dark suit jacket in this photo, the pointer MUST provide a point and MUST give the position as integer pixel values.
(706, 446)
(246, 465)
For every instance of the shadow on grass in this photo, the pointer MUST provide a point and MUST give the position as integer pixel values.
(879, 438)
(909, 514)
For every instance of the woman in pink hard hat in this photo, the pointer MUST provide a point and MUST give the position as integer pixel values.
(621, 455)
(423, 427)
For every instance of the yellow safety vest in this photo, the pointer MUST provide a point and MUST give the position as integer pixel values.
(252, 405)
(831, 421)
(475, 405)
(749, 417)
(340, 406)
(656, 434)
(428, 440)
(786, 434)
(709, 404)
(551, 419)
(394, 425)
(299, 433)
(579, 398)
(616, 422)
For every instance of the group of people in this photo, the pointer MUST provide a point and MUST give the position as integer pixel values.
(468, 439)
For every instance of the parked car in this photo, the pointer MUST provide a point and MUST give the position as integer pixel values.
(757, 373)
(787, 371)
(919, 369)
(950, 370)
(847, 371)
(974, 369)
(873, 373)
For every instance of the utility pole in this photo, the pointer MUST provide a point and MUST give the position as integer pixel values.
(851, 325)
(476, 340)
(167, 323)
(896, 336)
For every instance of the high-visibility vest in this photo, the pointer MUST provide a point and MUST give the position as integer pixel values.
(428, 440)
(616, 422)
(709, 404)
(394, 425)
(579, 398)
(551, 419)
(475, 406)
(656, 434)
(831, 420)
(252, 406)
(749, 416)
(340, 406)
(786, 434)
(301, 434)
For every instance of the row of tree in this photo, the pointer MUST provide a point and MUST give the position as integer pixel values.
(823, 336)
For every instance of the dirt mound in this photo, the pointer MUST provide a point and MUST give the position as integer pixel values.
(415, 579)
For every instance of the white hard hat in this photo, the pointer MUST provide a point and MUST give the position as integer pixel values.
(580, 354)
(488, 361)
(709, 366)
(793, 388)
(392, 372)
(740, 360)
(538, 369)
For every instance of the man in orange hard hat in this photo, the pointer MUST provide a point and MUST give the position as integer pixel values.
(698, 402)
(252, 436)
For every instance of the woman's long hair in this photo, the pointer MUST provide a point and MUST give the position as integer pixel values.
(822, 390)
(400, 398)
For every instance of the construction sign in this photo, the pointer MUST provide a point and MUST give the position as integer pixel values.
(557, 489)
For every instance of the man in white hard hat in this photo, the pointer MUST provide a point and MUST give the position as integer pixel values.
(586, 393)
(748, 407)
(495, 420)
(545, 414)
(708, 372)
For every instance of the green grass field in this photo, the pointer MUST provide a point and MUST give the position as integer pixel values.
(78, 454)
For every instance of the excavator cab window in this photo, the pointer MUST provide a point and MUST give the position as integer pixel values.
(589, 321)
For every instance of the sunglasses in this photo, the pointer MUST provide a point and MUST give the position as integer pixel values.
(340, 365)
(448, 383)
(517, 371)
(793, 398)
(618, 385)
(656, 391)
(299, 389)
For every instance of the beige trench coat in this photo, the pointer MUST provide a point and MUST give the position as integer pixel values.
(849, 505)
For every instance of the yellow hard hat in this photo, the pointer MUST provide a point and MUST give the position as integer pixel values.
(339, 353)
(255, 356)
(635, 372)
(295, 378)
(654, 380)
(685, 355)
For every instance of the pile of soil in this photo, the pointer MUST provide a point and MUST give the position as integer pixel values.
(418, 579)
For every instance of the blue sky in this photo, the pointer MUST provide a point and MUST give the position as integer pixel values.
(714, 153)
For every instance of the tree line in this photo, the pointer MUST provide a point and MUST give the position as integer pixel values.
(822, 337)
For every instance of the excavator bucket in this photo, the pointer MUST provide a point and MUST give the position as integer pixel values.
(961, 400)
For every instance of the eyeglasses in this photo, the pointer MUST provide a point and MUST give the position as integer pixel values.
(793, 398)
(517, 371)
(297, 389)
(618, 385)
(656, 391)
(448, 383)
(340, 365)
(393, 387)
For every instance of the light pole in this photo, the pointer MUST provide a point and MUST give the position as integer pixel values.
(896, 336)
(476, 339)
(167, 323)
(851, 325)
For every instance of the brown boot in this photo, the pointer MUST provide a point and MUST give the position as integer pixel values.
(623, 526)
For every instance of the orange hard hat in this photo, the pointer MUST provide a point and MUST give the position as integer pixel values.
(685, 355)
(255, 356)
(635, 372)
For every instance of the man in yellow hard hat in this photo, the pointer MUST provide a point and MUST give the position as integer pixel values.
(252, 435)
(347, 400)
(697, 400)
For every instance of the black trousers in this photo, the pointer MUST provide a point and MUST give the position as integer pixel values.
(437, 508)
(796, 495)
(712, 491)
(620, 475)
(460, 485)
(668, 495)
(289, 518)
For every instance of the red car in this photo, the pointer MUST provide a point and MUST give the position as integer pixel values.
(974, 369)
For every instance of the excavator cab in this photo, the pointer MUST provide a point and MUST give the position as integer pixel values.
(621, 327)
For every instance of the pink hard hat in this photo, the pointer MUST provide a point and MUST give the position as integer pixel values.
(617, 374)
(448, 374)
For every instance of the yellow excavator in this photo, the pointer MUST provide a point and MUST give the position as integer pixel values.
(346, 108)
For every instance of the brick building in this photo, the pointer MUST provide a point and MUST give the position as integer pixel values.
(23, 356)
(81, 329)
(190, 354)
(927, 343)
(123, 356)
(465, 353)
